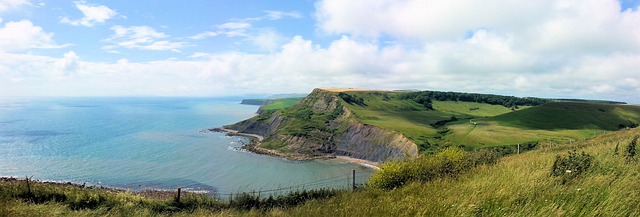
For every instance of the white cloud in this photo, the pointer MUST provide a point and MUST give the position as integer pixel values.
(234, 29)
(93, 14)
(276, 15)
(229, 29)
(7, 5)
(301, 65)
(568, 48)
(204, 35)
(588, 49)
(267, 39)
(234, 25)
(68, 65)
(544, 26)
(141, 37)
(23, 35)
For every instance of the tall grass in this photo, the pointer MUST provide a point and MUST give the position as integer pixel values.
(22, 198)
(518, 185)
(450, 162)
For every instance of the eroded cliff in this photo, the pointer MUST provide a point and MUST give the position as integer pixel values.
(319, 126)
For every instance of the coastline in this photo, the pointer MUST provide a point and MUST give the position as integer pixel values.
(160, 194)
(366, 163)
(256, 140)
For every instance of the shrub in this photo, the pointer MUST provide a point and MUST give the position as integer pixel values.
(572, 165)
(630, 152)
(448, 163)
(247, 201)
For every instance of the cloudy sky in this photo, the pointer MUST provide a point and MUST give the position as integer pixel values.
(546, 48)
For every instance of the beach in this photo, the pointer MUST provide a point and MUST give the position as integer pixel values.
(254, 146)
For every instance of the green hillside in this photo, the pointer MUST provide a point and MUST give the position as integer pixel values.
(555, 122)
(275, 104)
(518, 185)
(472, 108)
(480, 125)
(434, 120)
(573, 115)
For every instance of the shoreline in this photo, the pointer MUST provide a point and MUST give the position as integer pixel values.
(365, 163)
(256, 140)
(160, 194)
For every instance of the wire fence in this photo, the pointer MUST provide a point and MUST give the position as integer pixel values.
(351, 180)
(347, 181)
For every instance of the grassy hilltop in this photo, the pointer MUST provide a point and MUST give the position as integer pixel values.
(480, 124)
(432, 120)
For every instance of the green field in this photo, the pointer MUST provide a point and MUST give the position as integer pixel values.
(572, 115)
(470, 124)
(472, 109)
(483, 125)
(489, 134)
(556, 122)
(276, 104)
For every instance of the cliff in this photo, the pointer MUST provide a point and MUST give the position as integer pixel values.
(321, 126)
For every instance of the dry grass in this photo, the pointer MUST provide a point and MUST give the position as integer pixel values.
(519, 185)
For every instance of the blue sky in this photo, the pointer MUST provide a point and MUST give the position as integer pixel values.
(565, 49)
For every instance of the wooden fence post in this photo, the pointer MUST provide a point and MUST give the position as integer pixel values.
(28, 186)
(353, 180)
(178, 198)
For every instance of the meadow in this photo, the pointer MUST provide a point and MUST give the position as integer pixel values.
(481, 125)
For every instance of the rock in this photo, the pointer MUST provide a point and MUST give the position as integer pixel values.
(342, 135)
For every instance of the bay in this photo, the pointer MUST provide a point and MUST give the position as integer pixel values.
(141, 143)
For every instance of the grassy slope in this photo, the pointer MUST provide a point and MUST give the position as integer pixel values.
(473, 109)
(558, 122)
(488, 134)
(519, 185)
(404, 116)
(283, 103)
(569, 115)
(495, 125)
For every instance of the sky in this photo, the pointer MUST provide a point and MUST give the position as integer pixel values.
(587, 49)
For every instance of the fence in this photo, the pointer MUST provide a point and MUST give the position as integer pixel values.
(347, 181)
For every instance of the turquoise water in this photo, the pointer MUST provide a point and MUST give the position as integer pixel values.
(148, 143)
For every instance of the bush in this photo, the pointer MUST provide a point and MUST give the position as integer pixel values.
(572, 165)
(247, 201)
(630, 152)
(448, 163)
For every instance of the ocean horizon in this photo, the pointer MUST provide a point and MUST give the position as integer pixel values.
(148, 143)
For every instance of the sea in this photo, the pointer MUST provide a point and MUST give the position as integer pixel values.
(150, 143)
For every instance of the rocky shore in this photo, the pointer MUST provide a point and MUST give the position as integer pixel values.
(256, 140)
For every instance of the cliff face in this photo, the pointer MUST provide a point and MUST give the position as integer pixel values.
(320, 125)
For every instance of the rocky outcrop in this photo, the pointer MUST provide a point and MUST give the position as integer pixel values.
(258, 126)
(320, 125)
(373, 143)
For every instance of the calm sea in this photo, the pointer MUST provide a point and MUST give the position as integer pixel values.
(148, 143)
